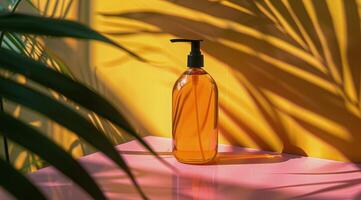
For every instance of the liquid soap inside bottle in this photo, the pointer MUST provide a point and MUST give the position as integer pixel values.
(195, 117)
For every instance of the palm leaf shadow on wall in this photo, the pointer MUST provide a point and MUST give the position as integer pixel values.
(290, 61)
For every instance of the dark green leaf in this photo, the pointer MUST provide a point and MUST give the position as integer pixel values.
(14, 43)
(34, 141)
(65, 116)
(69, 88)
(22, 23)
(16, 184)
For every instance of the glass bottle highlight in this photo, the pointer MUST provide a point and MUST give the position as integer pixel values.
(195, 111)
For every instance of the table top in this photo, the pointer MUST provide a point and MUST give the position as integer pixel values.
(239, 173)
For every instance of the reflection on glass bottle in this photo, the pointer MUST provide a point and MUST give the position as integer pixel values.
(195, 186)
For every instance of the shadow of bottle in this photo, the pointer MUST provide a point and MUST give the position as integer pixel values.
(233, 158)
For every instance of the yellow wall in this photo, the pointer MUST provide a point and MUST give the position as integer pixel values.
(288, 71)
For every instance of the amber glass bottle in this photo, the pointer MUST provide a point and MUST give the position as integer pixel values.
(195, 115)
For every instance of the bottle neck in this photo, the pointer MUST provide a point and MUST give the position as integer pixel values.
(195, 59)
(195, 71)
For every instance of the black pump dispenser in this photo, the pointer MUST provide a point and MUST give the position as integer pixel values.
(195, 57)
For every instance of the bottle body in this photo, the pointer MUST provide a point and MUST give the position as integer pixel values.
(195, 117)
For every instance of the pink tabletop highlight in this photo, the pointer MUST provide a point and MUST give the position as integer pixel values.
(238, 173)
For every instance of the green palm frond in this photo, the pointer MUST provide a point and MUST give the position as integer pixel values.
(29, 24)
(19, 186)
(12, 61)
(26, 136)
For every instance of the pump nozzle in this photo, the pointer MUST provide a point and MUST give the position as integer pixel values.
(195, 57)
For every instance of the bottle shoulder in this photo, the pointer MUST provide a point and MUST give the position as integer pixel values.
(192, 75)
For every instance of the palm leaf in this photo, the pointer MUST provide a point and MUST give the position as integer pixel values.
(56, 27)
(65, 116)
(71, 89)
(55, 155)
(30, 24)
(15, 183)
(14, 43)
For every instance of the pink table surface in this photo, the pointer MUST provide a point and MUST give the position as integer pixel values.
(239, 173)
